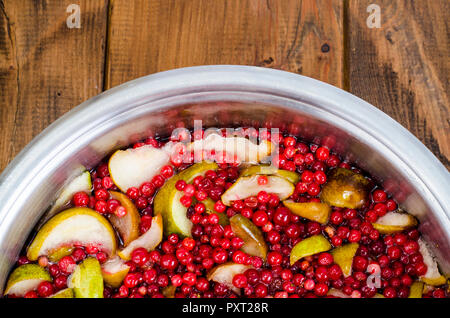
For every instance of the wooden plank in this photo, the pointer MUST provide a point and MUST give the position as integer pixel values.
(403, 67)
(148, 36)
(46, 68)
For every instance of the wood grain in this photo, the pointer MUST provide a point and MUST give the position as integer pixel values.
(45, 67)
(403, 67)
(151, 36)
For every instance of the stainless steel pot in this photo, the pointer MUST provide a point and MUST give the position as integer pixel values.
(223, 96)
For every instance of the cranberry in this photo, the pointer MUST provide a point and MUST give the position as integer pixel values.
(334, 272)
(150, 276)
(31, 294)
(389, 292)
(260, 218)
(360, 263)
(45, 289)
(274, 258)
(394, 252)
(410, 247)
(169, 262)
(379, 196)
(80, 199)
(336, 217)
(61, 282)
(354, 236)
(325, 259)
(240, 281)
(140, 256)
(67, 264)
(313, 228)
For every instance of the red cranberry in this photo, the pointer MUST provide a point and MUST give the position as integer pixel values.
(274, 258)
(240, 281)
(67, 264)
(325, 259)
(45, 289)
(80, 199)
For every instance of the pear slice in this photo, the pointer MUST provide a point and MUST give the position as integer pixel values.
(132, 167)
(246, 187)
(63, 293)
(416, 290)
(337, 293)
(169, 291)
(80, 183)
(86, 280)
(315, 211)
(241, 147)
(254, 243)
(343, 256)
(224, 274)
(309, 246)
(167, 200)
(60, 253)
(81, 226)
(209, 205)
(26, 278)
(433, 276)
(128, 225)
(345, 189)
(149, 240)
(393, 222)
(114, 271)
(290, 176)
(340, 294)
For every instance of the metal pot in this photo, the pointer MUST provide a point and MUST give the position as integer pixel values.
(223, 96)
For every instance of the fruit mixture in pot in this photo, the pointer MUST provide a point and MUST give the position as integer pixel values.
(212, 218)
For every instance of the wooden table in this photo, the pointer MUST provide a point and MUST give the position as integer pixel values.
(46, 68)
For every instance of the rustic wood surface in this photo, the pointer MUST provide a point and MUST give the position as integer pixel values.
(403, 67)
(47, 68)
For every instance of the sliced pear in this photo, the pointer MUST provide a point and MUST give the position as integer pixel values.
(149, 240)
(432, 276)
(80, 183)
(169, 291)
(315, 211)
(128, 225)
(209, 205)
(345, 189)
(132, 167)
(167, 200)
(309, 246)
(73, 226)
(393, 222)
(86, 280)
(26, 278)
(290, 176)
(343, 256)
(241, 147)
(114, 271)
(60, 253)
(224, 274)
(337, 293)
(63, 293)
(416, 290)
(254, 243)
(246, 187)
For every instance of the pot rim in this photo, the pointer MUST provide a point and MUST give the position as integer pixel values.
(421, 164)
